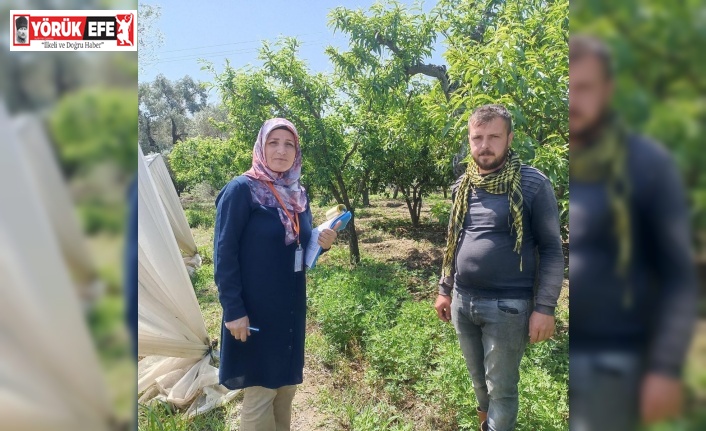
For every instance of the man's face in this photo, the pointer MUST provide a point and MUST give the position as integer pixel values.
(490, 143)
(22, 32)
(590, 92)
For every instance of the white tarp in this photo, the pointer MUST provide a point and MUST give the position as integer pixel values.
(55, 197)
(171, 330)
(50, 373)
(175, 212)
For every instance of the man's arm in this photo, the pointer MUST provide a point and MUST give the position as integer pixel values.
(546, 231)
(668, 223)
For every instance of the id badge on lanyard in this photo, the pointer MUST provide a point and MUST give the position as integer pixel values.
(298, 259)
(299, 252)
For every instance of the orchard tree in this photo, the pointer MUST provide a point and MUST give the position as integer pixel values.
(517, 55)
(379, 74)
(209, 122)
(207, 160)
(509, 52)
(415, 157)
(283, 87)
(166, 109)
(149, 36)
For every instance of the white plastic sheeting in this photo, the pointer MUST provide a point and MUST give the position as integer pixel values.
(50, 373)
(55, 197)
(175, 213)
(171, 331)
(184, 382)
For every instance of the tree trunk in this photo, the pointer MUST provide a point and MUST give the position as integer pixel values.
(418, 208)
(446, 192)
(150, 139)
(414, 204)
(175, 136)
(395, 192)
(353, 243)
(364, 190)
(341, 196)
(412, 208)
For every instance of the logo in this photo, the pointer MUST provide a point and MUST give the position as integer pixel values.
(73, 30)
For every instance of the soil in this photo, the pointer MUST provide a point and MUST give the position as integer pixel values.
(306, 412)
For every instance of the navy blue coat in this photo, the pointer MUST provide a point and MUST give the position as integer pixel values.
(254, 272)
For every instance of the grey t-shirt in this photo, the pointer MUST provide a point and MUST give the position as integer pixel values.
(486, 264)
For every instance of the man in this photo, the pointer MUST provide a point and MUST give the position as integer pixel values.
(632, 276)
(21, 30)
(503, 213)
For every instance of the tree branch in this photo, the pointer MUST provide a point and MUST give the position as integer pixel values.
(349, 154)
(432, 70)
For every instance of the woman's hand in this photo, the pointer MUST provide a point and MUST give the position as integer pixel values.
(328, 236)
(239, 328)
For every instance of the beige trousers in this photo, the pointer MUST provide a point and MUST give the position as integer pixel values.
(267, 409)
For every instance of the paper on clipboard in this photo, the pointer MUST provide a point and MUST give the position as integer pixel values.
(334, 215)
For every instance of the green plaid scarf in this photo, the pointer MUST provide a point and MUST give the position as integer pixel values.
(504, 181)
(605, 161)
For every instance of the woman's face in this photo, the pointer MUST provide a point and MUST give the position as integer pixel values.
(280, 150)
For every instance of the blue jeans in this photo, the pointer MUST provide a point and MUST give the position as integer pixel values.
(493, 334)
(604, 390)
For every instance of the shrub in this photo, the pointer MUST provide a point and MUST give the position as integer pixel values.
(441, 211)
(101, 218)
(208, 160)
(448, 385)
(376, 417)
(401, 352)
(200, 218)
(350, 304)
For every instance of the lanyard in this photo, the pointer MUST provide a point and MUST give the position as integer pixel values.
(295, 219)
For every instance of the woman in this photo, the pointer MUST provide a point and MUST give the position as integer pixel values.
(263, 224)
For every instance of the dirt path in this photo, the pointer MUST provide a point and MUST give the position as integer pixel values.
(306, 412)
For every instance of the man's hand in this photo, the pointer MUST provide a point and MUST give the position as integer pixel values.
(661, 397)
(541, 327)
(443, 307)
(328, 236)
(239, 328)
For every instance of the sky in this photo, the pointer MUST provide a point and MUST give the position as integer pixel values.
(233, 29)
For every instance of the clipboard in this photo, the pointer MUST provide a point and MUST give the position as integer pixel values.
(333, 216)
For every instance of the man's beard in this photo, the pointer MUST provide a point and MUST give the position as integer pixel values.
(493, 163)
(588, 133)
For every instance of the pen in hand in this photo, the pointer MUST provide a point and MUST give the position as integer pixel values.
(254, 329)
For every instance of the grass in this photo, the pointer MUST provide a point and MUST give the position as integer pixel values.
(411, 366)
(391, 364)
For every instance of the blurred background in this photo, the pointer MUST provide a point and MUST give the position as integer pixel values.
(660, 92)
(82, 109)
